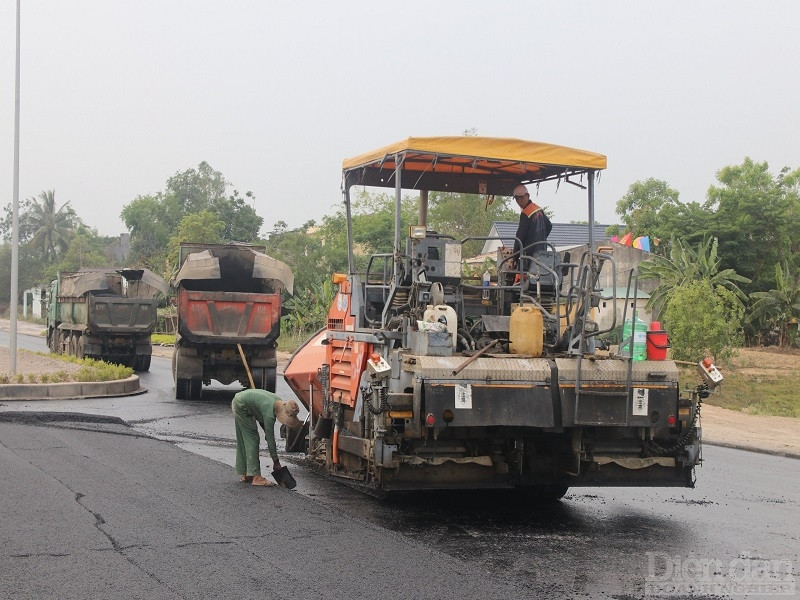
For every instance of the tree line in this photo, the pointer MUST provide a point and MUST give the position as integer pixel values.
(736, 255)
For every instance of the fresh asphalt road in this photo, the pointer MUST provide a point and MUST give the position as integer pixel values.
(739, 527)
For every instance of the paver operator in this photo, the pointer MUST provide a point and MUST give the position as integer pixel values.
(259, 406)
(534, 226)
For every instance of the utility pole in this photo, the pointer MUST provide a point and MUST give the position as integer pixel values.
(12, 344)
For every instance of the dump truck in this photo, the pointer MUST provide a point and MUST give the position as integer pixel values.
(106, 314)
(228, 300)
(426, 377)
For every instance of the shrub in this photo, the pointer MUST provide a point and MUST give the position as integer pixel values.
(702, 320)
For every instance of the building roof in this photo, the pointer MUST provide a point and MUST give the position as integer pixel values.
(563, 234)
(620, 292)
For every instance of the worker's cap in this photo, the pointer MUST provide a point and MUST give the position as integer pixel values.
(520, 190)
(286, 413)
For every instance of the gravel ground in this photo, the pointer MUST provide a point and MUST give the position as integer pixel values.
(778, 435)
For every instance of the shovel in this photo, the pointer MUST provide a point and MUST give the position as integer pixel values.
(284, 478)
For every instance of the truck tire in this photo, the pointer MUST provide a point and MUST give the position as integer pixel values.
(141, 362)
(265, 379)
(195, 388)
(182, 389)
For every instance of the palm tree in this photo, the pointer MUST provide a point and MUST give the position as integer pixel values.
(779, 305)
(685, 264)
(50, 228)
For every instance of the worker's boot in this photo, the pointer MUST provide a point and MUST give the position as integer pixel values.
(259, 480)
(247, 478)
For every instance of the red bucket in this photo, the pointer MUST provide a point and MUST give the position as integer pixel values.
(657, 342)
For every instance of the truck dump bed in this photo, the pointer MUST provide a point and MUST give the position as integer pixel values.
(228, 317)
(114, 314)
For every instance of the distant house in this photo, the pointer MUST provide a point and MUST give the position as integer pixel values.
(119, 250)
(605, 310)
(563, 236)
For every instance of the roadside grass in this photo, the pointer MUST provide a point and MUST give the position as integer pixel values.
(759, 394)
(289, 342)
(89, 370)
(772, 393)
(162, 339)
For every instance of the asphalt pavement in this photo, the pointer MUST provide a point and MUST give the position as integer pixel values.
(93, 509)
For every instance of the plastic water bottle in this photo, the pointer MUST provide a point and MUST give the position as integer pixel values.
(639, 350)
(487, 278)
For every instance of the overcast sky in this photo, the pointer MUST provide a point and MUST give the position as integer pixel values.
(118, 96)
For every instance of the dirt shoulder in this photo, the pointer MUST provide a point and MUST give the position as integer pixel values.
(723, 427)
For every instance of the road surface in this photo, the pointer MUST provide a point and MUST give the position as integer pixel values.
(739, 527)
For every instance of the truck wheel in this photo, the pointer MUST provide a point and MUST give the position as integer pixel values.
(182, 389)
(141, 362)
(265, 379)
(195, 388)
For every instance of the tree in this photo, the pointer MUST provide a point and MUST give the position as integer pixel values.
(651, 207)
(702, 320)
(303, 249)
(308, 308)
(31, 270)
(778, 306)
(194, 190)
(49, 227)
(153, 219)
(6, 222)
(203, 226)
(640, 207)
(684, 265)
(241, 222)
(151, 228)
(86, 249)
(467, 215)
(754, 219)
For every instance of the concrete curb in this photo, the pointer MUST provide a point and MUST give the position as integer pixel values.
(759, 450)
(72, 390)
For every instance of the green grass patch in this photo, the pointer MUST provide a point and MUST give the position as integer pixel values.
(90, 370)
(291, 342)
(162, 339)
(773, 395)
(97, 370)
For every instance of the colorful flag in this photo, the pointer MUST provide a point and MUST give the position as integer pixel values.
(642, 243)
(614, 238)
(627, 239)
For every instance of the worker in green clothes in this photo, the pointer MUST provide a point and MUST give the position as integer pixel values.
(259, 406)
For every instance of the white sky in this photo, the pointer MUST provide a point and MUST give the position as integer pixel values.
(118, 96)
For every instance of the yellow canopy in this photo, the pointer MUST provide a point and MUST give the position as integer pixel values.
(469, 164)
